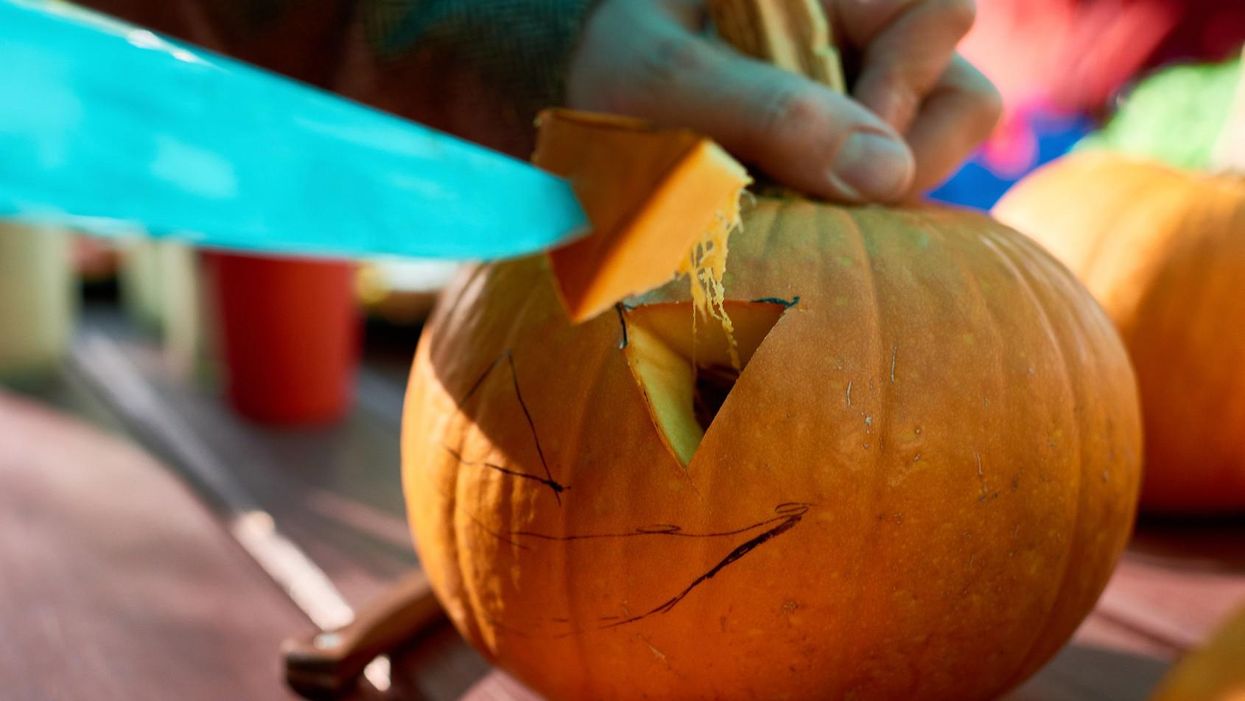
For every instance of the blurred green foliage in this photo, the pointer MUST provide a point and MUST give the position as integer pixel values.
(1175, 115)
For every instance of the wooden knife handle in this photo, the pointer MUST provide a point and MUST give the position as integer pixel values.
(791, 34)
(327, 664)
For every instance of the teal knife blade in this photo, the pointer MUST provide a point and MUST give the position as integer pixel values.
(112, 128)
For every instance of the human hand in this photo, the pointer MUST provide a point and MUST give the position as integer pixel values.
(918, 107)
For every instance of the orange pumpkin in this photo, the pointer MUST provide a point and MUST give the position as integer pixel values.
(916, 488)
(1164, 252)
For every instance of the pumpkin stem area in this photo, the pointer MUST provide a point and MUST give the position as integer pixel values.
(687, 371)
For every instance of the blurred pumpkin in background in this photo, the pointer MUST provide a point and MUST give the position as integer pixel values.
(1163, 250)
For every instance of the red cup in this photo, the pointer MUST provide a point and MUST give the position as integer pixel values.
(287, 331)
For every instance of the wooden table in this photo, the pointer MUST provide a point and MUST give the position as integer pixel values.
(116, 581)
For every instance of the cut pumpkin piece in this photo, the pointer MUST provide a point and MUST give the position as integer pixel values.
(687, 371)
(661, 202)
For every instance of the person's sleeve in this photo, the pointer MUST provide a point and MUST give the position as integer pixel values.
(302, 39)
(477, 68)
(447, 60)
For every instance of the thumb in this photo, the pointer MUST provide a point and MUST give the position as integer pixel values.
(799, 132)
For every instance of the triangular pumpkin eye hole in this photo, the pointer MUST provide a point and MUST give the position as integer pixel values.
(686, 376)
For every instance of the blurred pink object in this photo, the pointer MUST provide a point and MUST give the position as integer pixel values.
(1071, 55)
(1068, 57)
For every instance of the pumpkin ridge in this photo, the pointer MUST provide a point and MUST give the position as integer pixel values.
(877, 493)
(464, 597)
(1026, 661)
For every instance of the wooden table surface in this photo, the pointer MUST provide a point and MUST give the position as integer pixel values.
(117, 581)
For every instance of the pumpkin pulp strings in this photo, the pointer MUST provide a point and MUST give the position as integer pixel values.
(762, 30)
(706, 268)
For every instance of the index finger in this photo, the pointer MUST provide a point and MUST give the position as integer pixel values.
(906, 46)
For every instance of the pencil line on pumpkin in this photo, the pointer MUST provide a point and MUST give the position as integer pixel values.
(527, 415)
(791, 513)
(483, 376)
(552, 484)
(556, 487)
(662, 529)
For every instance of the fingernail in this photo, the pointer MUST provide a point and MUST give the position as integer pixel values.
(871, 166)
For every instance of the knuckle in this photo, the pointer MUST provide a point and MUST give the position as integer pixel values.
(958, 15)
(989, 108)
(990, 101)
(986, 101)
(668, 60)
(791, 108)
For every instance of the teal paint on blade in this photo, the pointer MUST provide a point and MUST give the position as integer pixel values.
(112, 128)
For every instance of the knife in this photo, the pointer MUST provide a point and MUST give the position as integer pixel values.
(111, 128)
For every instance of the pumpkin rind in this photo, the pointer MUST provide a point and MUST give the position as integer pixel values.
(916, 489)
(1164, 252)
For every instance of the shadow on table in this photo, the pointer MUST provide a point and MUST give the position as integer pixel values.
(437, 666)
(1078, 673)
(1084, 673)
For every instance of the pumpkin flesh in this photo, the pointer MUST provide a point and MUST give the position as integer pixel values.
(655, 198)
(685, 369)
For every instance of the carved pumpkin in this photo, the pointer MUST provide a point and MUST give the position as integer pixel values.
(1164, 252)
(915, 488)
